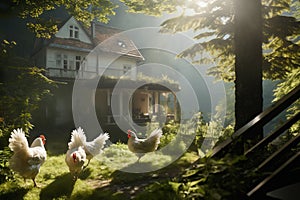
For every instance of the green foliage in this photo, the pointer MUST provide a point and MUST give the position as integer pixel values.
(6, 45)
(213, 25)
(21, 88)
(84, 11)
(157, 191)
(214, 131)
(5, 174)
(169, 133)
(224, 178)
(288, 84)
(100, 180)
(210, 179)
(152, 7)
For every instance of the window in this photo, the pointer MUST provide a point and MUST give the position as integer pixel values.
(65, 62)
(71, 63)
(68, 62)
(77, 62)
(74, 32)
(121, 44)
(58, 61)
(126, 68)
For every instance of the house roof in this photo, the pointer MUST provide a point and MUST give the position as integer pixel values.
(69, 42)
(111, 41)
(106, 36)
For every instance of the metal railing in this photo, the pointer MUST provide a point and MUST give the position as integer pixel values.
(279, 163)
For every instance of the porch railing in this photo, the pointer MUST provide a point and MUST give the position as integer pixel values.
(86, 74)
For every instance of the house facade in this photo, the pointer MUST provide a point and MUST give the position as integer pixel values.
(77, 53)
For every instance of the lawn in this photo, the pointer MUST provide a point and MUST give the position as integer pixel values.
(106, 177)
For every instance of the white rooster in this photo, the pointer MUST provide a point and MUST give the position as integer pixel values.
(142, 146)
(26, 160)
(91, 148)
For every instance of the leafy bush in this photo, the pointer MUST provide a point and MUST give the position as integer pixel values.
(6, 173)
(21, 88)
(215, 179)
(213, 131)
(157, 191)
(210, 179)
(169, 133)
(287, 85)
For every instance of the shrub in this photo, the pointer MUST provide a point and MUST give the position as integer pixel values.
(22, 88)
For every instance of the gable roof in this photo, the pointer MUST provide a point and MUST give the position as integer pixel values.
(98, 34)
(113, 43)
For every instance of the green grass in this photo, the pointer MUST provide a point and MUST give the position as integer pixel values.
(104, 178)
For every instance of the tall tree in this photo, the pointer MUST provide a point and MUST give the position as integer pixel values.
(248, 61)
(232, 32)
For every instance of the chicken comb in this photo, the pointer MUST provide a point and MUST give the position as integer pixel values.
(43, 138)
(128, 133)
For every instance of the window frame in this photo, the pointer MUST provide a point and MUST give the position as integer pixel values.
(126, 68)
(73, 32)
(77, 62)
(65, 62)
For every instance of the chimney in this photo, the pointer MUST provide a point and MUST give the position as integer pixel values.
(93, 29)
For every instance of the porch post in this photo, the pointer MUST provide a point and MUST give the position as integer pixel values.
(175, 107)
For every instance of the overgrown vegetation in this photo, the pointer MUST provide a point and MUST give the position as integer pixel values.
(224, 178)
(22, 88)
(107, 175)
(210, 178)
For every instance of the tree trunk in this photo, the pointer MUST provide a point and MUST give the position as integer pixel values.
(248, 63)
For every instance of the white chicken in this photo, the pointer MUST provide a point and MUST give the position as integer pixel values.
(142, 146)
(26, 160)
(91, 148)
(75, 156)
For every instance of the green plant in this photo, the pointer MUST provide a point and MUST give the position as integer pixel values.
(5, 174)
(22, 88)
(158, 190)
(169, 133)
(210, 179)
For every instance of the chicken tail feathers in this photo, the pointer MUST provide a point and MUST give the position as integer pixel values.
(78, 138)
(101, 139)
(156, 133)
(18, 141)
(95, 147)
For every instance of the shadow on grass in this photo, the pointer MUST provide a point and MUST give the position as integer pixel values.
(151, 185)
(85, 174)
(130, 173)
(62, 187)
(126, 185)
(18, 193)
